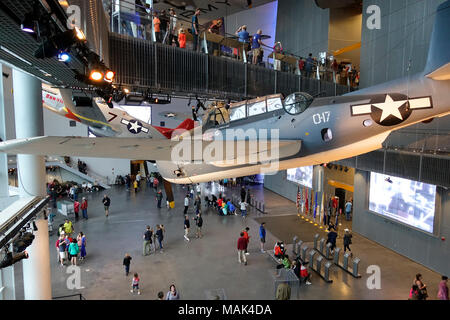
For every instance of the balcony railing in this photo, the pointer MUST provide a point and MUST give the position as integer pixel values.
(139, 62)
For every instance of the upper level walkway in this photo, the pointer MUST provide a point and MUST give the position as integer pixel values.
(142, 63)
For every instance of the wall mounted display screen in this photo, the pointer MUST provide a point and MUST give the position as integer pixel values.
(302, 175)
(407, 201)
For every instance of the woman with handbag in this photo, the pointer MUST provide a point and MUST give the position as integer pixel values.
(423, 294)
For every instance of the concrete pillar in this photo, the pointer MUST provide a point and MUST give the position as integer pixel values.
(31, 175)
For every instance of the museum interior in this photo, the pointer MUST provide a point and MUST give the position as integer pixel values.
(224, 150)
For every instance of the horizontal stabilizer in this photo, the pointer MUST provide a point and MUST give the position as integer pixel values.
(441, 74)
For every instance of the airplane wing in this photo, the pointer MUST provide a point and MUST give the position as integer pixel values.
(146, 148)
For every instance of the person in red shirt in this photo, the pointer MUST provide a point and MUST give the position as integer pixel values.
(76, 208)
(278, 253)
(182, 38)
(241, 247)
(84, 206)
(247, 237)
(157, 27)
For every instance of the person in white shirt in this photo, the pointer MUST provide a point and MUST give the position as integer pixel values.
(89, 187)
(72, 192)
(138, 178)
(243, 205)
(173, 28)
(186, 204)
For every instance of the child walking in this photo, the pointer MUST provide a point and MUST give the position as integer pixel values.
(135, 284)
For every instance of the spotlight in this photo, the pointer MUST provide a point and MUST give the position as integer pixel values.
(35, 228)
(28, 23)
(96, 75)
(63, 56)
(79, 34)
(60, 42)
(127, 91)
(109, 75)
(345, 169)
(118, 96)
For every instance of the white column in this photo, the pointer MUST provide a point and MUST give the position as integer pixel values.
(36, 269)
(7, 283)
(4, 188)
(31, 175)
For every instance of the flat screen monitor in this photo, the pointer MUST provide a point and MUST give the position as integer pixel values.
(407, 201)
(302, 175)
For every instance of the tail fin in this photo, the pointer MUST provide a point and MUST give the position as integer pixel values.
(187, 124)
(438, 62)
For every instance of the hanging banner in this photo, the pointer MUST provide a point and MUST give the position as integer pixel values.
(322, 211)
(306, 202)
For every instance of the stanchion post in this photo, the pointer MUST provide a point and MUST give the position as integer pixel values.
(346, 256)
(328, 251)
(312, 253)
(327, 271)
(316, 237)
(355, 267)
(337, 252)
(321, 245)
(303, 253)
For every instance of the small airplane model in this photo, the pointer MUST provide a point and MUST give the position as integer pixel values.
(265, 134)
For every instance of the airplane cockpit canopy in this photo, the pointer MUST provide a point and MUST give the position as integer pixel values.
(297, 103)
(294, 104)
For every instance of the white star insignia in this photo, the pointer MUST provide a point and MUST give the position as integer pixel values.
(134, 126)
(390, 107)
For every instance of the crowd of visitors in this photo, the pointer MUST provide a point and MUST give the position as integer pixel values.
(71, 249)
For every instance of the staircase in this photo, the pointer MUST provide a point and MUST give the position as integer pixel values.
(90, 177)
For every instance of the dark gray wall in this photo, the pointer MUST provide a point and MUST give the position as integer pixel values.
(425, 249)
(302, 27)
(405, 33)
(280, 185)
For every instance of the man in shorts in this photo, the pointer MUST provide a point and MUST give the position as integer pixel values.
(256, 46)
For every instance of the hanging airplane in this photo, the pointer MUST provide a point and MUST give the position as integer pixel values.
(262, 135)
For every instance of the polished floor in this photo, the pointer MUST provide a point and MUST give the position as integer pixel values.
(203, 268)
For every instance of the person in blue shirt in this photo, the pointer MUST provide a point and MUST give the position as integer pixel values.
(309, 66)
(262, 235)
(256, 46)
(348, 209)
(244, 37)
(231, 207)
(195, 28)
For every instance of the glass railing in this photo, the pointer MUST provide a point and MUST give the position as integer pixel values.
(141, 63)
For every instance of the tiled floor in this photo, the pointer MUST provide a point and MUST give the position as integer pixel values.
(203, 266)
